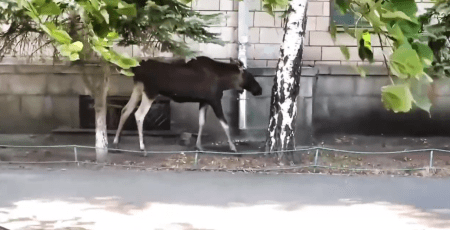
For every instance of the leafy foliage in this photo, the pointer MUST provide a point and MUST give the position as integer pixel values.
(397, 97)
(77, 27)
(161, 23)
(270, 5)
(435, 28)
(396, 21)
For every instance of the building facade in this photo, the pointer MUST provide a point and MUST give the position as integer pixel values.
(39, 97)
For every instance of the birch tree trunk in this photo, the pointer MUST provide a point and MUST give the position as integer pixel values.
(101, 131)
(283, 106)
(98, 87)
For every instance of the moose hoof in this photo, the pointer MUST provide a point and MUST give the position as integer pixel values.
(115, 148)
(199, 148)
(233, 148)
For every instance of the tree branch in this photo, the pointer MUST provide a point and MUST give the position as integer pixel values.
(48, 42)
(385, 59)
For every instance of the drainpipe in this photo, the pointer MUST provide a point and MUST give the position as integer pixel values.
(243, 16)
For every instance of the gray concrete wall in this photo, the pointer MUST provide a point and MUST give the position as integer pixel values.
(39, 98)
(348, 104)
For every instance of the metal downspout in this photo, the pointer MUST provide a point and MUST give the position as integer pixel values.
(243, 16)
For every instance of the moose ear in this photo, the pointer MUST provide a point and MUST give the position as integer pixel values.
(237, 62)
(240, 63)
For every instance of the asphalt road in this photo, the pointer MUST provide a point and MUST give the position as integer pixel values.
(111, 199)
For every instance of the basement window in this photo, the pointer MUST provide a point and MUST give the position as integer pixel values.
(347, 19)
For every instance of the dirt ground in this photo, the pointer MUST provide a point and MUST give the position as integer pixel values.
(399, 164)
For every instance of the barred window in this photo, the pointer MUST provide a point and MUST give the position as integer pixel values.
(346, 19)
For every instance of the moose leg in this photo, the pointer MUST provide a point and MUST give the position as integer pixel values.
(217, 107)
(127, 110)
(140, 114)
(201, 122)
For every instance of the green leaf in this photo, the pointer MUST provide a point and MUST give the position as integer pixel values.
(95, 4)
(50, 25)
(76, 46)
(350, 32)
(364, 52)
(101, 42)
(49, 8)
(333, 30)
(74, 57)
(105, 15)
(38, 2)
(104, 52)
(397, 15)
(126, 9)
(101, 29)
(397, 34)
(364, 45)
(409, 29)
(426, 78)
(32, 15)
(424, 52)
(112, 35)
(343, 6)
(61, 36)
(71, 50)
(113, 3)
(419, 90)
(423, 103)
(187, 1)
(374, 20)
(361, 71)
(366, 39)
(127, 63)
(127, 73)
(268, 9)
(64, 50)
(345, 52)
(408, 7)
(397, 98)
(405, 62)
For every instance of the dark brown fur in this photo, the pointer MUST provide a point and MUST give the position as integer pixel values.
(200, 80)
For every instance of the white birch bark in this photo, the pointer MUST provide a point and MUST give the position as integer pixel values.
(101, 135)
(283, 108)
(98, 87)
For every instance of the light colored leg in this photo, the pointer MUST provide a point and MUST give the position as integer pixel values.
(217, 107)
(128, 109)
(201, 123)
(140, 114)
(227, 132)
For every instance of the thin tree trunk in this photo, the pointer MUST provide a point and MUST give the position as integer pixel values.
(98, 87)
(101, 135)
(283, 106)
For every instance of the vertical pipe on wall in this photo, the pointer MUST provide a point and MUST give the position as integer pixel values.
(243, 16)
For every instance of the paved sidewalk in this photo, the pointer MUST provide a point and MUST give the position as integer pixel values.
(108, 199)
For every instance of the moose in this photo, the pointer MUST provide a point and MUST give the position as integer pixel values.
(201, 80)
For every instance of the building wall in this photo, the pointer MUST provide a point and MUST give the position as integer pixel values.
(266, 34)
(355, 107)
(320, 49)
(39, 97)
